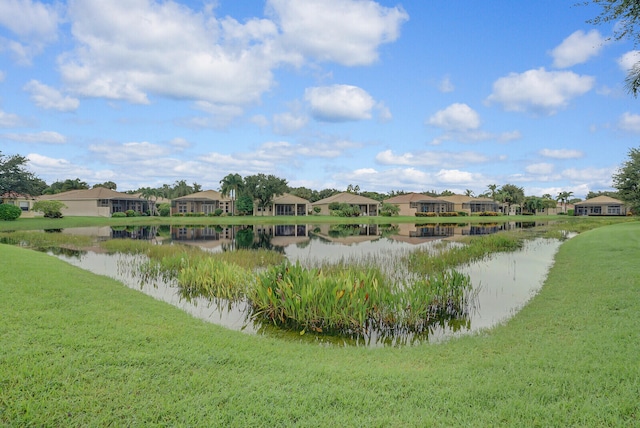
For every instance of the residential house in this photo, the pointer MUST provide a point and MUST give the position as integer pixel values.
(205, 203)
(471, 205)
(600, 205)
(412, 203)
(367, 206)
(24, 202)
(285, 204)
(98, 202)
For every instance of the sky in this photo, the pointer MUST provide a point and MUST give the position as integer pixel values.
(416, 96)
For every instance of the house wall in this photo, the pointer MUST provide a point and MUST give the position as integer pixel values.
(88, 208)
(600, 210)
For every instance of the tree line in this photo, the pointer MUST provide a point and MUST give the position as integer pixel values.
(260, 189)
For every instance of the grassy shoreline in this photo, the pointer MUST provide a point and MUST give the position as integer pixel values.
(83, 350)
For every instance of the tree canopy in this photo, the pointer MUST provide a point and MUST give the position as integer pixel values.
(625, 14)
(263, 188)
(16, 179)
(627, 180)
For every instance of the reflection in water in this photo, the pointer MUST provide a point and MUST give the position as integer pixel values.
(502, 283)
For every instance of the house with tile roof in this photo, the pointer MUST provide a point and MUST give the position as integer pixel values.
(202, 203)
(412, 203)
(367, 206)
(285, 204)
(98, 202)
(601, 205)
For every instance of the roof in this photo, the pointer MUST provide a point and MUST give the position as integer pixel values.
(346, 198)
(458, 199)
(288, 198)
(600, 200)
(410, 197)
(88, 194)
(208, 195)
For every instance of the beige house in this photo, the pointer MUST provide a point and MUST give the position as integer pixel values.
(24, 202)
(600, 205)
(413, 203)
(368, 206)
(202, 203)
(285, 204)
(472, 205)
(98, 202)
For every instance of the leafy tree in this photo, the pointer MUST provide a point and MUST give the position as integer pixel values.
(15, 179)
(533, 203)
(325, 193)
(627, 180)
(9, 212)
(244, 205)
(107, 185)
(302, 192)
(447, 193)
(149, 195)
(625, 14)
(510, 194)
(51, 209)
(492, 189)
(263, 188)
(353, 189)
(389, 210)
(65, 186)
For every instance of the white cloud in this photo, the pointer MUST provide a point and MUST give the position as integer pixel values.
(49, 98)
(628, 60)
(339, 103)
(455, 176)
(629, 122)
(344, 31)
(539, 90)
(35, 25)
(540, 168)
(128, 50)
(53, 168)
(44, 137)
(289, 122)
(129, 153)
(9, 120)
(600, 176)
(456, 117)
(561, 153)
(577, 48)
(430, 158)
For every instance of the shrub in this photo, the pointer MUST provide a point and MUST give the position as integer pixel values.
(463, 213)
(130, 213)
(164, 210)
(489, 214)
(51, 209)
(426, 214)
(119, 214)
(389, 210)
(449, 214)
(316, 210)
(9, 212)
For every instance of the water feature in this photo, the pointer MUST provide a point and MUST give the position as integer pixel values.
(502, 283)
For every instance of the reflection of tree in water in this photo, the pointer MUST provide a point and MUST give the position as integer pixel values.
(244, 237)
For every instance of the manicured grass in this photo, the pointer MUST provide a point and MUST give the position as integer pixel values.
(83, 350)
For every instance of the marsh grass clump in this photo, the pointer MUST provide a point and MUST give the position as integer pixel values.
(211, 277)
(424, 261)
(349, 301)
(44, 240)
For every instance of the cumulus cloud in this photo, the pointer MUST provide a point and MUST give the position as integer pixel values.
(47, 167)
(348, 32)
(579, 47)
(44, 137)
(456, 117)
(9, 120)
(34, 25)
(431, 158)
(629, 122)
(455, 176)
(539, 91)
(628, 60)
(49, 98)
(561, 153)
(339, 103)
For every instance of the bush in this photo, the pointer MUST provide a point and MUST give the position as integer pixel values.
(9, 212)
(316, 210)
(164, 210)
(449, 214)
(130, 213)
(489, 214)
(51, 209)
(120, 214)
(426, 214)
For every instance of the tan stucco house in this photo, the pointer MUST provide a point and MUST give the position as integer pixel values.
(412, 203)
(202, 203)
(368, 206)
(285, 204)
(98, 202)
(24, 202)
(472, 205)
(600, 205)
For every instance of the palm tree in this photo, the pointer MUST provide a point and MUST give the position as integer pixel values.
(229, 186)
(564, 197)
(148, 193)
(468, 192)
(493, 188)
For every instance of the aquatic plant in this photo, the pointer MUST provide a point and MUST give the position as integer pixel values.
(44, 240)
(210, 277)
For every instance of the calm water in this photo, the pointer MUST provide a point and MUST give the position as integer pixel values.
(502, 284)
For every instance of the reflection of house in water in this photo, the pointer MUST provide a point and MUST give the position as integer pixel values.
(203, 236)
(134, 232)
(347, 234)
(419, 233)
(283, 235)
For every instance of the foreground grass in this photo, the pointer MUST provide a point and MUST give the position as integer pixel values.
(82, 350)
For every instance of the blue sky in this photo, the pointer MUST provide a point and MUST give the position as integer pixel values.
(414, 96)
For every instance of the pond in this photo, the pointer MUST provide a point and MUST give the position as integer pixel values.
(501, 284)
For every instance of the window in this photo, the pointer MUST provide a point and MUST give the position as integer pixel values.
(613, 210)
(103, 202)
(182, 207)
(24, 206)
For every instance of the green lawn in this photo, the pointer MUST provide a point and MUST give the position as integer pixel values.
(82, 350)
